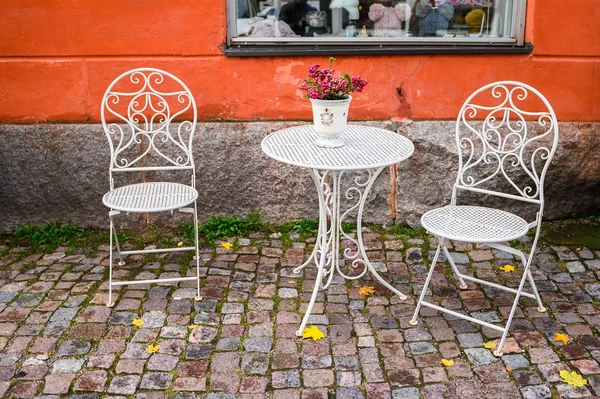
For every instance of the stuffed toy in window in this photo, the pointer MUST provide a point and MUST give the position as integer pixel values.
(260, 27)
(433, 19)
(387, 20)
(474, 19)
(316, 19)
(350, 5)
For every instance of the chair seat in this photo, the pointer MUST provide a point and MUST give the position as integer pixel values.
(150, 197)
(474, 224)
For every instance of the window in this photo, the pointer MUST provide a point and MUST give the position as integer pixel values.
(375, 23)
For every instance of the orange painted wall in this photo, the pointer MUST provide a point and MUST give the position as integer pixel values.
(58, 57)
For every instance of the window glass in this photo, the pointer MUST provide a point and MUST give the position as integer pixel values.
(364, 20)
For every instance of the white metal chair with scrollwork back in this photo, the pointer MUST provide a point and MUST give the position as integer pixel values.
(511, 137)
(142, 115)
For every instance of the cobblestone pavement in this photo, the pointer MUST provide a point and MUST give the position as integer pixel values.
(57, 339)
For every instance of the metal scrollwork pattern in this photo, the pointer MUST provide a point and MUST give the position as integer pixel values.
(506, 139)
(331, 224)
(140, 112)
(355, 193)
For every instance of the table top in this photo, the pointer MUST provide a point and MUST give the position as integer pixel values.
(366, 147)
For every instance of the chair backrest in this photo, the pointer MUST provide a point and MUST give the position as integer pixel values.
(505, 130)
(142, 114)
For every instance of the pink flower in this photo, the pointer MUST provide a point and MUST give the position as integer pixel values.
(322, 84)
(315, 94)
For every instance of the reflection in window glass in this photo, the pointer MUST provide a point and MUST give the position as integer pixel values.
(374, 19)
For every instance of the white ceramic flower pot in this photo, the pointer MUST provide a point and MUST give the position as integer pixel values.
(330, 118)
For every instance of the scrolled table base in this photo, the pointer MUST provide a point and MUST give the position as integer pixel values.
(326, 254)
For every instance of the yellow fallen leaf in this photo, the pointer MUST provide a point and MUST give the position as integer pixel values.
(291, 282)
(561, 337)
(489, 345)
(152, 348)
(192, 326)
(572, 378)
(508, 368)
(577, 249)
(227, 245)
(507, 268)
(366, 290)
(180, 244)
(447, 362)
(138, 322)
(313, 332)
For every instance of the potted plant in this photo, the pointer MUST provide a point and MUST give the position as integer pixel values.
(330, 98)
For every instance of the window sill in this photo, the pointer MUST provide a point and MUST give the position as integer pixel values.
(311, 50)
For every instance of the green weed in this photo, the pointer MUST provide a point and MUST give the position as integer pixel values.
(51, 234)
(219, 227)
(304, 227)
(103, 236)
(404, 230)
(348, 227)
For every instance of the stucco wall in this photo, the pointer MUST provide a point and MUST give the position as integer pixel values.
(58, 57)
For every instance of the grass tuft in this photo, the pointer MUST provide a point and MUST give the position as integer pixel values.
(405, 230)
(51, 234)
(304, 227)
(220, 227)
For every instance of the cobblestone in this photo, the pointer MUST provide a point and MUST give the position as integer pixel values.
(156, 380)
(58, 340)
(67, 366)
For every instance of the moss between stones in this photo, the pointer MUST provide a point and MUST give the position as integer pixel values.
(582, 232)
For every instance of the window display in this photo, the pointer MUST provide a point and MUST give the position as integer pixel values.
(365, 21)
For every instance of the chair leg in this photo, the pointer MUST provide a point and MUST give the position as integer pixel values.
(521, 256)
(541, 307)
(463, 285)
(197, 257)
(110, 303)
(413, 321)
(121, 261)
(526, 275)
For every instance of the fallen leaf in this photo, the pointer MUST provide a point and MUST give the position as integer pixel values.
(291, 282)
(489, 345)
(192, 326)
(180, 244)
(138, 322)
(561, 338)
(313, 332)
(366, 290)
(152, 348)
(508, 368)
(227, 245)
(572, 378)
(578, 249)
(447, 362)
(507, 268)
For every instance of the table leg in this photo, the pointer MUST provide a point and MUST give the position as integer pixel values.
(322, 189)
(320, 255)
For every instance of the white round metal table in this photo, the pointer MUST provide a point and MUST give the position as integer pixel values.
(368, 150)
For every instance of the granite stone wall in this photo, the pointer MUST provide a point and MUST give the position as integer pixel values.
(60, 171)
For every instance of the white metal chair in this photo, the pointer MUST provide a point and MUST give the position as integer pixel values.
(511, 137)
(141, 112)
